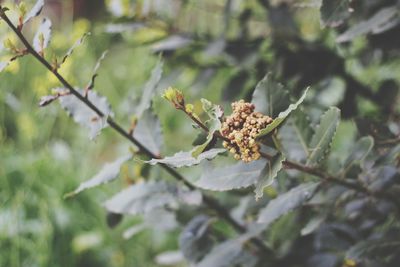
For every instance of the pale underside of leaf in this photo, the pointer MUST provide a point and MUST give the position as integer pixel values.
(150, 89)
(141, 198)
(383, 20)
(287, 202)
(323, 136)
(43, 35)
(185, 159)
(83, 115)
(236, 176)
(35, 11)
(74, 46)
(148, 132)
(108, 173)
(282, 116)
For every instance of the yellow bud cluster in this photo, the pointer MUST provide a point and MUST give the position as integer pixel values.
(242, 128)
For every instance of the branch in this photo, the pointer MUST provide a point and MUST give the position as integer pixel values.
(305, 169)
(208, 200)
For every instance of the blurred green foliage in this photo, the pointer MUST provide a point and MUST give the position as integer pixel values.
(44, 154)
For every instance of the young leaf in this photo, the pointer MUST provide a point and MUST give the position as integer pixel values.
(268, 173)
(185, 159)
(282, 116)
(75, 45)
(148, 132)
(35, 11)
(109, 172)
(194, 241)
(215, 114)
(323, 136)
(231, 177)
(270, 97)
(141, 198)
(360, 150)
(83, 115)
(228, 253)
(383, 20)
(295, 136)
(334, 12)
(150, 88)
(42, 36)
(171, 43)
(95, 69)
(287, 202)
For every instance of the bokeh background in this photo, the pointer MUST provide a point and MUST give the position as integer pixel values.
(215, 54)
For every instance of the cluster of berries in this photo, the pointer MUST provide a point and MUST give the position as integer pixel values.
(242, 128)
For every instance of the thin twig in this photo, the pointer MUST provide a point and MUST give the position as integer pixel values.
(208, 200)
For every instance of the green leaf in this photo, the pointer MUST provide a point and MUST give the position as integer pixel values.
(282, 116)
(142, 198)
(3, 65)
(383, 20)
(236, 176)
(195, 240)
(215, 114)
(268, 174)
(360, 150)
(42, 36)
(373, 248)
(334, 12)
(185, 159)
(227, 254)
(148, 132)
(270, 97)
(287, 202)
(83, 115)
(295, 136)
(150, 89)
(108, 173)
(35, 11)
(323, 136)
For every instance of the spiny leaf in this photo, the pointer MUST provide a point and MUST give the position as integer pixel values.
(215, 114)
(148, 132)
(383, 20)
(141, 198)
(268, 173)
(295, 136)
(270, 97)
(360, 150)
(42, 36)
(109, 172)
(150, 89)
(334, 12)
(231, 177)
(83, 115)
(282, 116)
(287, 202)
(185, 159)
(35, 11)
(323, 136)
(75, 45)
